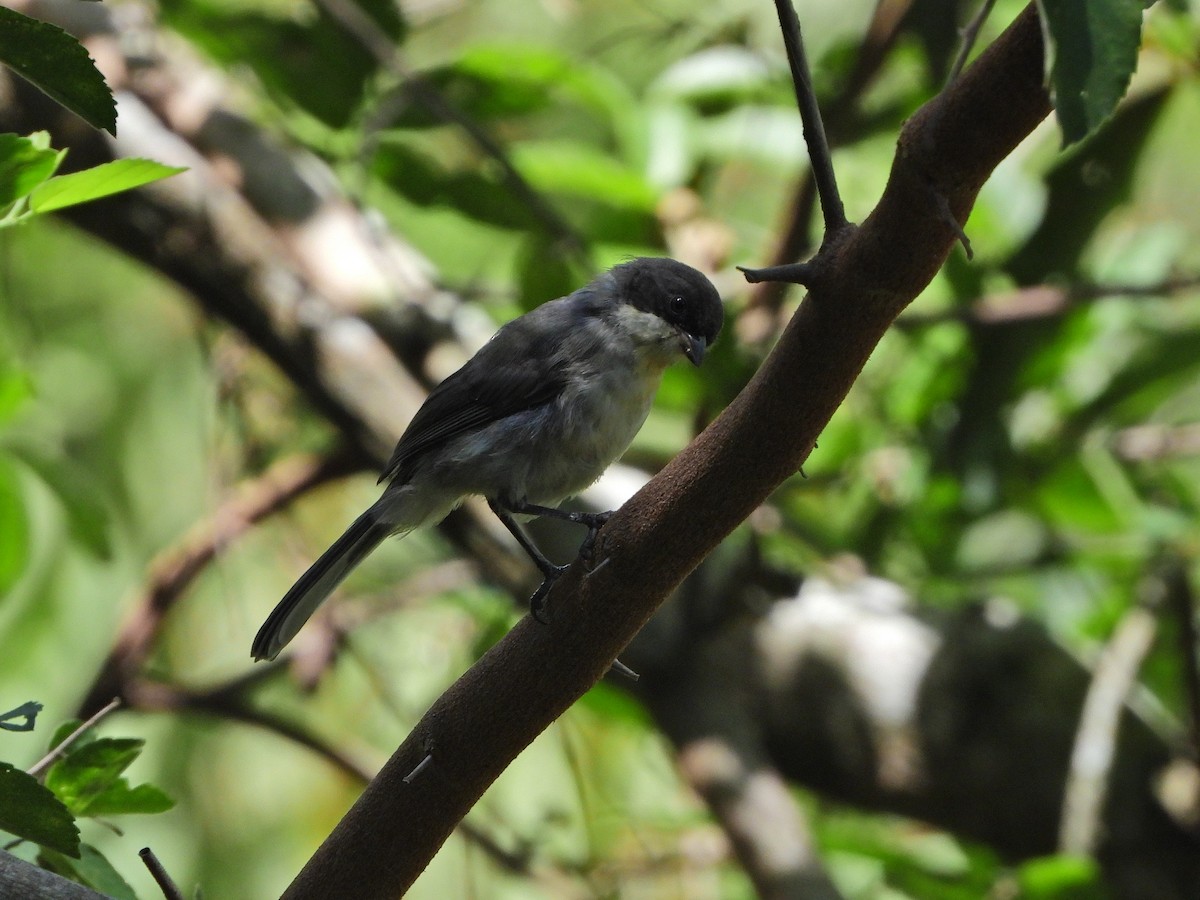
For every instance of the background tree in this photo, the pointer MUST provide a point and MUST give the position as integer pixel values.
(1026, 431)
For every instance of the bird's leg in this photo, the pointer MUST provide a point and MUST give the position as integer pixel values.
(550, 572)
(593, 521)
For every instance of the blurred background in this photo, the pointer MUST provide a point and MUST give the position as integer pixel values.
(886, 676)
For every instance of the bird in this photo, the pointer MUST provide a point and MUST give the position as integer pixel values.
(534, 417)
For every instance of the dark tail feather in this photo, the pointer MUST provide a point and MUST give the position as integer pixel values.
(316, 584)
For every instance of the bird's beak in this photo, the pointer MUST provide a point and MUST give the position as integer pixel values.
(693, 347)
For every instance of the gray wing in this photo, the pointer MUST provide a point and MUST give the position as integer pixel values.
(520, 368)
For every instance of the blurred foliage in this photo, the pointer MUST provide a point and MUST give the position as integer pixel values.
(1049, 456)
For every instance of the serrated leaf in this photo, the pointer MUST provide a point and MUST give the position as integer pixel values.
(30, 811)
(99, 181)
(88, 780)
(1091, 52)
(27, 711)
(59, 65)
(25, 162)
(87, 772)
(91, 869)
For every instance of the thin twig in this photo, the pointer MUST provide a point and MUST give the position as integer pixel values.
(1096, 738)
(176, 569)
(227, 702)
(48, 760)
(159, 874)
(1043, 301)
(810, 115)
(759, 321)
(970, 34)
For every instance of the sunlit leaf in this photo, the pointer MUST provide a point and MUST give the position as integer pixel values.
(25, 162)
(99, 181)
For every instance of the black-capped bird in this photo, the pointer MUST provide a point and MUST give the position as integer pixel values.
(535, 416)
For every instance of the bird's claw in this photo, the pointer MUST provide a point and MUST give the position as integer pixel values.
(537, 603)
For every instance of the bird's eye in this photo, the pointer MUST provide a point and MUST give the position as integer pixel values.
(677, 304)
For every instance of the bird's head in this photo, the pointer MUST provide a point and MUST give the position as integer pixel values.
(679, 296)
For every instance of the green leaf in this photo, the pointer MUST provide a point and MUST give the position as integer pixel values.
(579, 170)
(91, 869)
(27, 711)
(1091, 52)
(15, 389)
(122, 800)
(30, 811)
(58, 64)
(87, 772)
(1060, 878)
(88, 780)
(99, 181)
(25, 162)
(82, 500)
(14, 525)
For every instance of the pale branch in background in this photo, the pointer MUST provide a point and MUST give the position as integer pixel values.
(176, 569)
(1095, 748)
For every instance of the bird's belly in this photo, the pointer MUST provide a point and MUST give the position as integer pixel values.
(547, 454)
(594, 431)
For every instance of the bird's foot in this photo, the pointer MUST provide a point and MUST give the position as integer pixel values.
(594, 522)
(537, 603)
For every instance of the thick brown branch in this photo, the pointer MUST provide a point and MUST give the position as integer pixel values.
(945, 154)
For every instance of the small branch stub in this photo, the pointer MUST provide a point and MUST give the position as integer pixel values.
(421, 767)
(159, 874)
(793, 273)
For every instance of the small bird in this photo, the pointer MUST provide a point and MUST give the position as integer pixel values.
(535, 416)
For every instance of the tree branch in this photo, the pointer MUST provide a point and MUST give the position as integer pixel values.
(794, 238)
(1096, 739)
(947, 149)
(810, 115)
(175, 570)
(19, 878)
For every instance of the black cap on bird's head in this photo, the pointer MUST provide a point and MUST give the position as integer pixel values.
(679, 295)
